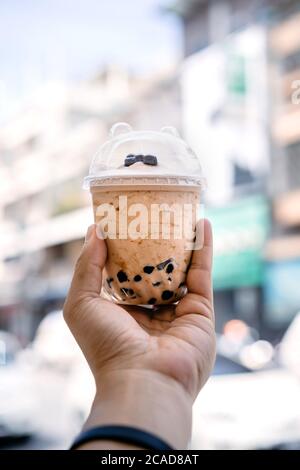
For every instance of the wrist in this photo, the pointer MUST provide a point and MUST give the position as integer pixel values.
(146, 400)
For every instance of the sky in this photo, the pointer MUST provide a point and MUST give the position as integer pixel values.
(72, 39)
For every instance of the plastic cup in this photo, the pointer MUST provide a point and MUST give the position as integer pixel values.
(146, 188)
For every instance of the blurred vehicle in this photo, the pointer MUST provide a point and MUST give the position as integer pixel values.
(289, 348)
(247, 411)
(16, 397)
(240, 344)
(53, 345)
(253, 410)
(228, 365)
(9, 347)
(46, 389)
(58, 351)
(63, 382)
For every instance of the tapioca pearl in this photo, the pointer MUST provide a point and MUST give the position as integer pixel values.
(137, 278)
(148, 269)
(170, 268)
(156, 284)
(167, 294)
(162, 265)
(152, 301)
(122, 277)
(127, 291)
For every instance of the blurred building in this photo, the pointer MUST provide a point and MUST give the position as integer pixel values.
(45, 153)
(240, 60)
(283, 249)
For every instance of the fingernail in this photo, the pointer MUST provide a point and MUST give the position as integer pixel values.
(89, 233)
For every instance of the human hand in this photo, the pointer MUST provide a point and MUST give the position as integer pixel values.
(131, 348)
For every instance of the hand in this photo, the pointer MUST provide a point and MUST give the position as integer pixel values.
(173, 346)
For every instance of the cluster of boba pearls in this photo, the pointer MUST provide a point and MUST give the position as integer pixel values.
(129, 293)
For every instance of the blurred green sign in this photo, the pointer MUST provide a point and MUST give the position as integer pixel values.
(240, 230)
(236, 74)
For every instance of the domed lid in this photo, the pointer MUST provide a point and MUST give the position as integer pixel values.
(144, 158)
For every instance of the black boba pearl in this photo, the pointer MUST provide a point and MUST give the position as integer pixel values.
(126, 291)
(122, 277)
(170, 268)
(148, 269)
(137, 278)
(152, 301)
(167, 294)
(162, 265)
(156, 284)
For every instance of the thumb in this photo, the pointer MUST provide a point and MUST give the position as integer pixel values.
(87, 278)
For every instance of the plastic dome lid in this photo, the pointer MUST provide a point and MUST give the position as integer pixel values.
(144, 158)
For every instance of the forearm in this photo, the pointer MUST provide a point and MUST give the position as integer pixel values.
(145, 400)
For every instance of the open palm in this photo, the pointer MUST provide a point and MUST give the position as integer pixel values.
(174, 340)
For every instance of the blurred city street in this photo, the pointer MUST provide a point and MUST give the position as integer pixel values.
(226, 74)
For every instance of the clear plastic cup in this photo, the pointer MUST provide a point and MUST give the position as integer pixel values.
(146, 189)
